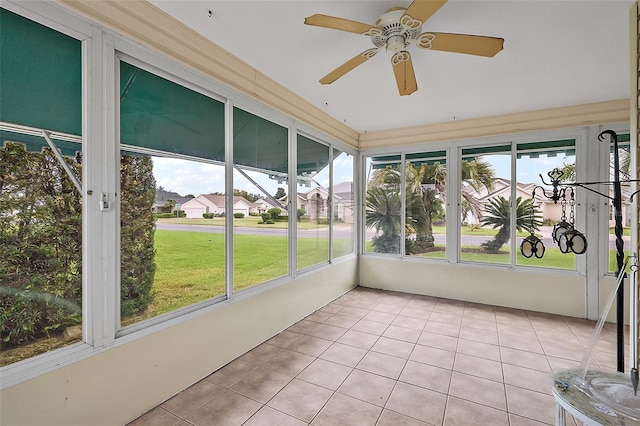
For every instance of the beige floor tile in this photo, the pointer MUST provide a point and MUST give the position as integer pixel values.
(327, 374)
(327, 331)
(433, 356)
(402, 333)
(442, 328)
(318, 316)
(445, 318)
(371, 327)
(477, 335)
(391, 418)
(419, 403)
(530, 404)
(409, 322)
(524, 359)
(231, 373)
(344, 410)
(478, 367)
(479, 349)
(284, 338)
(192, 398)
(303, 326)
(388, 308)
(261, 384)
(156, 417)
(288, 362)
(358, 339)
(331, 308)
(476, 389)
(260, 354)
(466, 413)
(341, 321)
(393, 347)
(382, 364)
(351, 311)
(415, 312)
(426, 376)
(523, 342)
(228, 409)
(343, 354)
(382, 317)
(439, 341)
(267, 416)
(527, 378)
(368, 387)
(301, 400)
(479, 324)
(523, 421)
(310, 345)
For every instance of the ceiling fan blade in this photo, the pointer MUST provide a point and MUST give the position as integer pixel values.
(461, 43)
(405, 76)
(338, 23)
(348, 66)
(423, 9)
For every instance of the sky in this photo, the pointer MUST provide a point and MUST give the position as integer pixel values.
(191, 177)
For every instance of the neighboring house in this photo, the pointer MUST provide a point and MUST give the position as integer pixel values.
(315, 202)
(264, 205)
(196, 207)
(163, 200)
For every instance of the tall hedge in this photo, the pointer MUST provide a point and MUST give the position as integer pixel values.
(41, 243)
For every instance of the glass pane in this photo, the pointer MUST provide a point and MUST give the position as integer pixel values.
(171, 210)
(426, 192)
(343, 207)
(40, 253)
(312, 205)
(541, 159)
(383, 207)
(261, 222)
(485, 205)
(624, 158)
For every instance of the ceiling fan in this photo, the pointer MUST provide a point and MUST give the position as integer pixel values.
(396, 30)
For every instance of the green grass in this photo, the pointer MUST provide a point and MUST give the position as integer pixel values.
(190, 265)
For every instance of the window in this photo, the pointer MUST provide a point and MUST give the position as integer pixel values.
(171, 196)
(485, 204)
(342, 192)
(535, 159)
(425, 195)
(313, 204)
(260, 236)
(40, 189)
(383, 205)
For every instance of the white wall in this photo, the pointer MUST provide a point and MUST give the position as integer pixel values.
(119, 384)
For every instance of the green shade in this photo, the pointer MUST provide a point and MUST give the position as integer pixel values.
(500, 149)
(40, 77)
(428, 158)
(37, 143)
(259, 143)
(312, 156)
(158, 114)
(548, 148)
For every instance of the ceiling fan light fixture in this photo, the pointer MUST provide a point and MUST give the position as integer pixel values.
(396, 43)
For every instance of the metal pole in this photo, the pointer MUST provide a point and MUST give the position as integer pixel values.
(617, 211)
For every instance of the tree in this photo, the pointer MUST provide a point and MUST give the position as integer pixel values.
(280, 193)
(498, 215)
(383, 210)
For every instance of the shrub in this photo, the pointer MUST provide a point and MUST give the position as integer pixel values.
(164, 215)
(207, 215)
(238, 215)
(265, 217)
(274, 212)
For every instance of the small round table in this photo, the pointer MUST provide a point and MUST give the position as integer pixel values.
(581, 404)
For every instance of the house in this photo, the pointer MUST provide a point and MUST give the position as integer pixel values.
(180, 79)
(209, 203)
(168, 201)
(315, 202)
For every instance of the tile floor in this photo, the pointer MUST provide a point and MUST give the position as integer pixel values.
(383, 358)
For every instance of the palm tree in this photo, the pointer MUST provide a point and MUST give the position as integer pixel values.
(498, 215)
(383, 209)
(475, 174)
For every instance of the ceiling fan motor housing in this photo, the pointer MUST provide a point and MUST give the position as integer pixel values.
(394, 35)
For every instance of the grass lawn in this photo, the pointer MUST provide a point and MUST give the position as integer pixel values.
(248, 222)
(190, 265)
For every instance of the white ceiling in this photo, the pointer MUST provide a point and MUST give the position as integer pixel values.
(556, 53)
